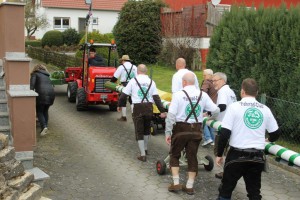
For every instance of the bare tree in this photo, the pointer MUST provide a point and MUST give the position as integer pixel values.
(33, 20)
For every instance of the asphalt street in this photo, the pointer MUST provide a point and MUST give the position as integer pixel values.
(89, 155)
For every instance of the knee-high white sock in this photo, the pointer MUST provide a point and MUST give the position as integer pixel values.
(190, 183)
(146, 140)
(142, 147)
(131, 106)
(176, 179)
(123, 111)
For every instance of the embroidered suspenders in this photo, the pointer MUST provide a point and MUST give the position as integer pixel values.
(128, 73)
(144, 94)
(192, 107)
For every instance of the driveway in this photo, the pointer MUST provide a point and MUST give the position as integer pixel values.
(90, 155)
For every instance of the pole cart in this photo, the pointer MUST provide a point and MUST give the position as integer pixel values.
(157, 122)
(207, 161)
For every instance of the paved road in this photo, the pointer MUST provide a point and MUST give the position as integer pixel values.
(91, 156)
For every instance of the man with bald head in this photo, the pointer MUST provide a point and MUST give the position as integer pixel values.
(177, 77)
(184, 129)
(143, 92)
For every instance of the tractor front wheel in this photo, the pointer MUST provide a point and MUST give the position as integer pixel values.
(71, 91)
(81, 103)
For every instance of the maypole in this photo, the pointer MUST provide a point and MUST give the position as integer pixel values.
(293, 158)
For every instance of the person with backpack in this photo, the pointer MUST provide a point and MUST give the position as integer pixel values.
(125, 72)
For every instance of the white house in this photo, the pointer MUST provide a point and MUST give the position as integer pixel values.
(64, 14)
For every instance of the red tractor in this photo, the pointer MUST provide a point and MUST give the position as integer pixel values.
(88, 85)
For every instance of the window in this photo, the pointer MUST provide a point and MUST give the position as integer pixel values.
(61, 23)
(95, 21)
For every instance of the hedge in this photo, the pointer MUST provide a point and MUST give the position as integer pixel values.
(263, 44)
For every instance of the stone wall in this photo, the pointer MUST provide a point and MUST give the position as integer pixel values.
(15, 182)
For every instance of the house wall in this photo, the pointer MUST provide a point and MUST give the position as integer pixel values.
(106, 19)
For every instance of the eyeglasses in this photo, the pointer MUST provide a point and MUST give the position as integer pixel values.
(215, 80)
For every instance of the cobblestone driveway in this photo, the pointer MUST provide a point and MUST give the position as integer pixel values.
(91, 156)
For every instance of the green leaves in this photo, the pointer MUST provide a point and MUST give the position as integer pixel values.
(138, 30)
(263, 44)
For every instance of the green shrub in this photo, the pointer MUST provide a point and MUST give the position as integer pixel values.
(170, 52)
(138, 30)
(52, 38)
(81, 34)
(70, 36)
(256, 43)
(33, 43)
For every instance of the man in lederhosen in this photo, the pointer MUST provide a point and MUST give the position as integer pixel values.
(125, 72)
(245, 124)
(143, 92)
(184, 129)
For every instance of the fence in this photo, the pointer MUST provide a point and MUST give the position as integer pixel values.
(58, 59)
(287, 115)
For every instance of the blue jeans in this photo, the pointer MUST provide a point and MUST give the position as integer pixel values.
(208, 133)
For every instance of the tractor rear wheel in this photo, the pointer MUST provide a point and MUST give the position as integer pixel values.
(71, 91)
(81, 103)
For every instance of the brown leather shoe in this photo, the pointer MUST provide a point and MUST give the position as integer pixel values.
(175, 188)
(189, 191)
(122, 119)
(142, 158)
(219, 175)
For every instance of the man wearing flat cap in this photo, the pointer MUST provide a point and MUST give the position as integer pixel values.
(125, 72)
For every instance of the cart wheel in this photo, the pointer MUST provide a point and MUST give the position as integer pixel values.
(210, 165)
(161, 167)
(153, 129)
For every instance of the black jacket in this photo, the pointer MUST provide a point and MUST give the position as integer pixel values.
(41, 84)
(96, 61)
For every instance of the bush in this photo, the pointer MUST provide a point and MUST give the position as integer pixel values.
(52, 38)
(170, 52)
(70, 36)
(33, 43)
(138, 30)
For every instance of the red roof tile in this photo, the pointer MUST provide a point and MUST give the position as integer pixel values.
(80, 4)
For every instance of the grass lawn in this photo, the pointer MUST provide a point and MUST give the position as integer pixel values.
(291, 146)
(163, 76)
